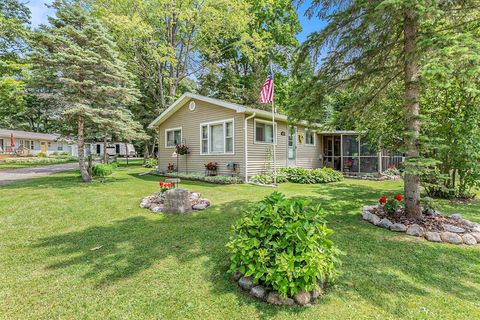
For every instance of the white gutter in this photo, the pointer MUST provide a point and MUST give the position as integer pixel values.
(246, 144)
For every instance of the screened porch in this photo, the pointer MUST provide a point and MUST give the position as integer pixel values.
(348, 153)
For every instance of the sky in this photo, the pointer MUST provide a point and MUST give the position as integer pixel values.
(40, 13)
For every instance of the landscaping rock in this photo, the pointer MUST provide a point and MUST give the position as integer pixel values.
(237, 275)
(258, 292)
(177, 201)
(476, 235)
(476, 229)
(415, 230)
(157, 208)
(374, 219)
(431, 212)
(456, 216)
(451, 237)
(246, 283)
(452, 228)
(145, 203)
(200, 206)
(303, 298)
(316, 293)
(276, 298)
(194, 197)
(433, 236)
(385, 223)
(366, 215)
(469, 239)
(399, 227)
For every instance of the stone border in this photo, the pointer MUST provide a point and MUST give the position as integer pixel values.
(260, 292)
(176, 200)
(451, 233)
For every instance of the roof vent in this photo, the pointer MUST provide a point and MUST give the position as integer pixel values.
(192, 105)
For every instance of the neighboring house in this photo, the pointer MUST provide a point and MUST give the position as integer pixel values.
(229, 133)
(49, 143)
(35, 142)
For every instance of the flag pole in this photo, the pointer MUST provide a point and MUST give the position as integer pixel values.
(274, 129)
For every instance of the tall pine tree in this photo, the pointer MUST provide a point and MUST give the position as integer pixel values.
(376, 45)
(88, 76)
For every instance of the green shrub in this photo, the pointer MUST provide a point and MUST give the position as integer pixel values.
(391, 172)
(102, 170)
(151, 163)
(268, 178)
(115, 164)
(41, 155)
(283, 244)
(306, 176)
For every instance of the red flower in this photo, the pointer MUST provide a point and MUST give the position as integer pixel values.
(398, 197)
(391, 166)
(161, 183)
(383, 200)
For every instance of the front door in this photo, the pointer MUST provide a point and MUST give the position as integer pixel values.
(292, 147)
(43, 147)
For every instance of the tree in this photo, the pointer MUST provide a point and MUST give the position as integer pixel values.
(78, 63)
(375, 45)
(14, 20)
(240, 71)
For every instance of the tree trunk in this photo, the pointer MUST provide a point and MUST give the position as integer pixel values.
(81, 150)
(412, 110)
(105, 155)
(126, 151)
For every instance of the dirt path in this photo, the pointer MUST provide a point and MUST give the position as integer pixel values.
(12, 175)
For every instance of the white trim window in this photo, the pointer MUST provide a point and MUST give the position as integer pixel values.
(217, 137)
(309, 137)
(264, 132)
(173, 137)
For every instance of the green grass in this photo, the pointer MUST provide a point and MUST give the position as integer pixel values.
(76, 251)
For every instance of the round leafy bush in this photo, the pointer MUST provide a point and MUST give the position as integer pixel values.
(102, 170)
(268, 178)
(284, 244)
(310, 176)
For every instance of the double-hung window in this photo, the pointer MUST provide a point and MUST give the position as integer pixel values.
(173, 137)
(309, 137)
(217, 137)
(264, 132)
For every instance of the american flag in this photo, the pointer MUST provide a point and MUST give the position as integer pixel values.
(266, 96)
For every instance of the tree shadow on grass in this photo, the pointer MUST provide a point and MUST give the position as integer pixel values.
(378, 265)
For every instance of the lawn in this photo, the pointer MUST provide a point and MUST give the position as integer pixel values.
(76, 251)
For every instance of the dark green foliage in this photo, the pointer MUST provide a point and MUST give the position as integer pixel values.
(200, 176)
(266, 178)
(102, 170)
(322, 175)
(283, 244)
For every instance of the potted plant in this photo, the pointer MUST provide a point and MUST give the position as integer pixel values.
(211, 168)
(182, 149)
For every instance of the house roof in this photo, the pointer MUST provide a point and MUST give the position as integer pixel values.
(229, 105)
(29, 135)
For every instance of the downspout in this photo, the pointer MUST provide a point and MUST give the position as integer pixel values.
(245, 128)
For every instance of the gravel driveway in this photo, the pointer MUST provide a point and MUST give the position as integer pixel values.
(12, 175)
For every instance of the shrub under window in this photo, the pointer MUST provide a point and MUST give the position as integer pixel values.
(284, 244)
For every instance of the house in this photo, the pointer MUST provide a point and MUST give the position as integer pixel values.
(35, 142)
(240, 140)
(49, 143)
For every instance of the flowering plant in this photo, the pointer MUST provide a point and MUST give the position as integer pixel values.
(391, 166)
(171, 167)
(211, 165)
(182, 149)
(164, 186)
(391, 205)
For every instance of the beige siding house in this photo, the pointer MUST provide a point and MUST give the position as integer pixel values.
(240, 139)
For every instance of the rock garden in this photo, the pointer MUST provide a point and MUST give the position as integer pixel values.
(433, 226)
(174, 200)
(281, 253)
